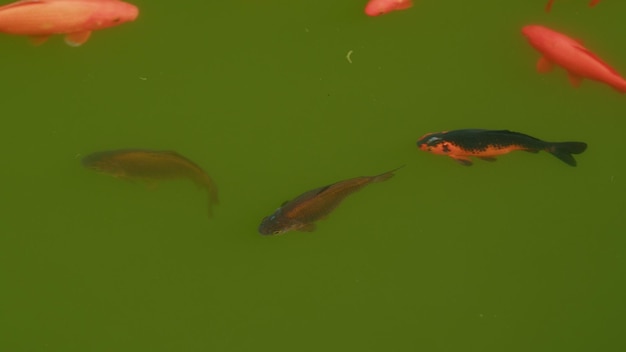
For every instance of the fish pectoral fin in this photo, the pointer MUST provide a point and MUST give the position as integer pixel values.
(544, 65)
(574, 79)
(38, 40)
(487, 158)
(461, 160)
(307, 228)
(77, 39)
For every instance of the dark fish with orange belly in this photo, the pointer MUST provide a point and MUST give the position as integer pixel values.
(301, 213)
(460, 145)
(151, 166)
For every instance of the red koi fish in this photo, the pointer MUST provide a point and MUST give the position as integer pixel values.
(550, 2)
(301, 213)
(381, 7)
(559, 49)
(40, 19)
(460, 145)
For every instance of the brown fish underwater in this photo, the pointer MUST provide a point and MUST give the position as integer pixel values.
(301, 213)
(150, 166)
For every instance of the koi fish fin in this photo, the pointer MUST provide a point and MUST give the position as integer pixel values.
(77, 39)
(307, 228)
(487, 158)
(564, 151)
(549, 5)
(544, 65)
(461, 160)
(593, 3)
(38, 40)
(574, 79)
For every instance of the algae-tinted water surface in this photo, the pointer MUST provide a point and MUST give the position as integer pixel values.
(522, 254)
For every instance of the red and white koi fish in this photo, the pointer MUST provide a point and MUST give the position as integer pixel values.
(550, 2)
(381, 7)
(40, 19)
(578, 61)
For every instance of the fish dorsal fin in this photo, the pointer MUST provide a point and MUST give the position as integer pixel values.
(599, 60)
(322, 189)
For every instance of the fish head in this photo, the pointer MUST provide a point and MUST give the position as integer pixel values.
(537, 35)
(433, 143)
(275, 224)
(113, 13)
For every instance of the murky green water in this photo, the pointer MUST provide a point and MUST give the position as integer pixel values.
(525, 254)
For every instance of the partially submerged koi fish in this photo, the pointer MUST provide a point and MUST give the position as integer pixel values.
(578, 61)
(151, 166)
(592, 3)
(381, 7)
(301, 213)
(460, 145)
(40, 19)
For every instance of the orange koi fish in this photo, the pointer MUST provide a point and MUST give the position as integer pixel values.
(301, 213)
(40, 19)
(486, 144)
(578, 61)
(551, 2)
(150, 166)
(381, 7)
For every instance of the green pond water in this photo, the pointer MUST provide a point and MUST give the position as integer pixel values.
(524, 254)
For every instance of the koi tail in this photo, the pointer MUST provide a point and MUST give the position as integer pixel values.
(387, 175)
(564, 151)
(207, 183)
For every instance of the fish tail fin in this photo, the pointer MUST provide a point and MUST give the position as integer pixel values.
(385, 176)
(207, 183)
(564, 151)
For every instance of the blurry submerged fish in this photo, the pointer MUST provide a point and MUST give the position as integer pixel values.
(148, 165)
(40, 19)
(381, 7)
(559, 49)
(302, 212)
(486, 144)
